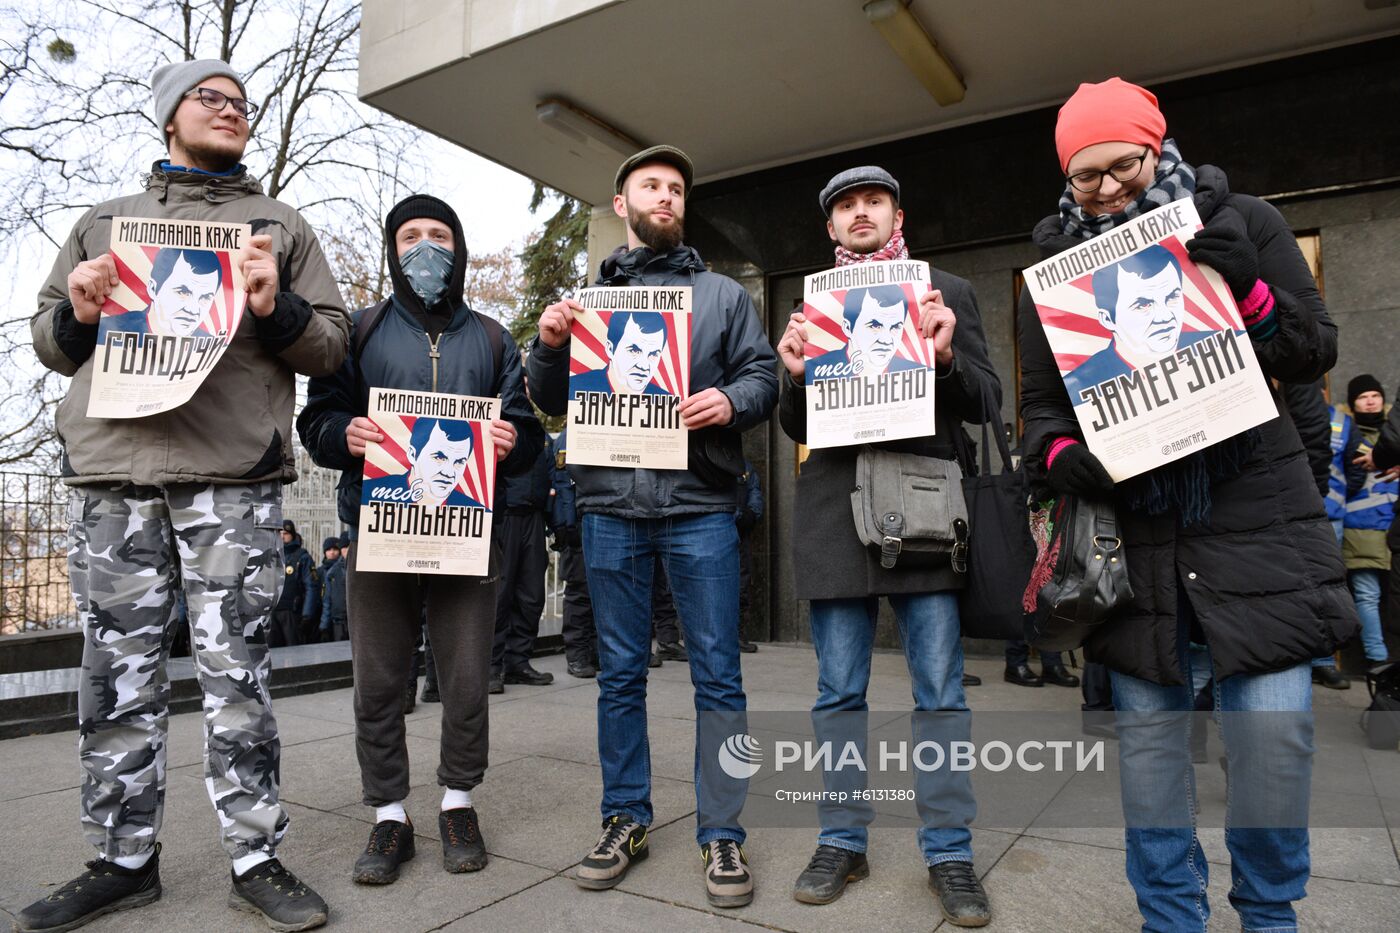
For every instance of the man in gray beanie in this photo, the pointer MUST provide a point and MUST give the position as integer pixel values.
(190, 496)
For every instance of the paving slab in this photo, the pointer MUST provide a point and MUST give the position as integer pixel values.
(895, 896)
(542, 811)
(559, 905)
(539, 806)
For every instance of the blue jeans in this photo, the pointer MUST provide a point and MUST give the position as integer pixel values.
(843, 633)
(701, 557)
(1270, 759)
(1366, 591)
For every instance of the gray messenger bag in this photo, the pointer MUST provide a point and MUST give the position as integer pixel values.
(910, 506)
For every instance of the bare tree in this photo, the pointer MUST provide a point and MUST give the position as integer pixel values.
(76, 127)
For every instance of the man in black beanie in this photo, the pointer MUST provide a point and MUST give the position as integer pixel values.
(424, 338)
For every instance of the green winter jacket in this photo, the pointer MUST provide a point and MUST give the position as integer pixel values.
(237, 428)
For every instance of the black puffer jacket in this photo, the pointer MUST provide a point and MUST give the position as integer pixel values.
(821, 507)
(728, 350)
(1264, 574)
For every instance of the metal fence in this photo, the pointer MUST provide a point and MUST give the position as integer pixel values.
(34, 591)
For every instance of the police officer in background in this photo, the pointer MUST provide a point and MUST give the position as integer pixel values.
(580, 637)
(297, 614)
(519, 529)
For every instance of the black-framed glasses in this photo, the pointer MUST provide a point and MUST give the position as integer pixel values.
(217, 100)
(1124, 170)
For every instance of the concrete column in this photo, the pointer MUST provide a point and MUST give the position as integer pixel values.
(606, 232)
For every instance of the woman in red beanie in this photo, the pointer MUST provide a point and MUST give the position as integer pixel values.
(1229, 552)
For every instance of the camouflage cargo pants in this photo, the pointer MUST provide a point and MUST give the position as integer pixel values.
(131, 547)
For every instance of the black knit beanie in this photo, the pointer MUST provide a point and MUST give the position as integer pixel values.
(419, 205)
(1362, 383)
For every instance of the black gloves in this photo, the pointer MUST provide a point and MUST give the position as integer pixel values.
(1225, 247)
(1075, 471)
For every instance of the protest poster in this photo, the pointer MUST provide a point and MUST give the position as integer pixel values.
(170, 318)
(869, 372)
(1150, 345)
(425, 506)
(629, 369)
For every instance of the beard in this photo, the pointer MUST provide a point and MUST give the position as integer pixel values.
(660, 237)
(212, 158)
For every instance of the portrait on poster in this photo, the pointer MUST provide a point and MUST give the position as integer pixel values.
(425, 502)
(869, 372)
(178, 302)
(1151, 346)
(629, 370)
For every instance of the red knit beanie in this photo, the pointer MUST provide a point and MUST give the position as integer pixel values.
(1113, 111)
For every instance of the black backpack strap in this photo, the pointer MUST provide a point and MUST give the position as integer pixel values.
(369, 320)
(497, 335)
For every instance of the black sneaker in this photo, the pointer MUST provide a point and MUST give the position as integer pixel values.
(529, 676)
(747, 647)
(654, 660)
(582, 670)
(671, 651)
(496, 684)
(1331, 678)
(102, 889)
(825, 876)
(390, 845)
(728, 882)
(971, 680)
(960, 894)
(463, 849)
(622, 845)
(279, 897)
(430, 693)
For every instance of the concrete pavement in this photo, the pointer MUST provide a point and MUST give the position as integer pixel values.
(539, 815)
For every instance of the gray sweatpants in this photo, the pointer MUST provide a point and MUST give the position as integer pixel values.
(386, 610)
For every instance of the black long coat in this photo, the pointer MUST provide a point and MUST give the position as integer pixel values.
(830, 561)
(1264, 574)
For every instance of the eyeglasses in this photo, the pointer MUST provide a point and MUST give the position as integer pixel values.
(217, 100)
(1122, 171)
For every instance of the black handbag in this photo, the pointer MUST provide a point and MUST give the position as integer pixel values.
(1089, 579)
(1001, 551)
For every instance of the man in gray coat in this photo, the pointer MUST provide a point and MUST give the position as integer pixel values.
(630, 516)
(864, 221)
(191, 496)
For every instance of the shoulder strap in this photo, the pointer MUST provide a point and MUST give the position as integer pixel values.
(496, 334)
(369, 320)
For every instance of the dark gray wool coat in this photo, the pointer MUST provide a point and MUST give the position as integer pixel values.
(832, 562)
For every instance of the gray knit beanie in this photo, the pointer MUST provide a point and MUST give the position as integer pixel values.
(172, 81)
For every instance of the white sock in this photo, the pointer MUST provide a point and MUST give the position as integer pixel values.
(241, 866)
(455, 799)
(133, 861)
(392, 811)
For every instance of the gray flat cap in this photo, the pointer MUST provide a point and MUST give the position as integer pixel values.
(668, 154)
(861, 177)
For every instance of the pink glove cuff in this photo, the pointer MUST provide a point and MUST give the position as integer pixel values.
(1056, 446)
(1257, 304)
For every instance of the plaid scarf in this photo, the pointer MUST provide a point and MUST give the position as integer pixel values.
(1175, 180)
(894, 249)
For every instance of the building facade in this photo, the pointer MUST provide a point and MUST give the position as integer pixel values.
(1297, 102)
